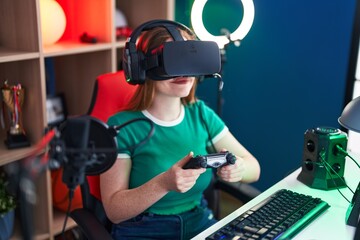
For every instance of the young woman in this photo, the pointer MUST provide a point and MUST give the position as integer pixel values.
(146, 193)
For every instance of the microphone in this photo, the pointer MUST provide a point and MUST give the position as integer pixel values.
(88, 146)
(76, 137)
(82, 146)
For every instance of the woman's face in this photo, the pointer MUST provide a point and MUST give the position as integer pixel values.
(175, 87)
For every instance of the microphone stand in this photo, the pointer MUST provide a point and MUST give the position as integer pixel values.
(76, 152)
(220, 99)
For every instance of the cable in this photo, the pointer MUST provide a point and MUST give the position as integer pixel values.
(220, 99)
(71, 196)
(327, 166)
(206, 127)
(352, 214)
(337, 188)
(151, 132)
(347, 154)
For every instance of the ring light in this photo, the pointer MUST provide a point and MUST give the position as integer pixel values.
(222, 40)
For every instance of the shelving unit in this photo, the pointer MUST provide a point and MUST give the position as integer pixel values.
(76, 65)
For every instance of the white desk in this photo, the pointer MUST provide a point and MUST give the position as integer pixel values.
(328, 226)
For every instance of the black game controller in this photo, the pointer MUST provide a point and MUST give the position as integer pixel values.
(214, 160)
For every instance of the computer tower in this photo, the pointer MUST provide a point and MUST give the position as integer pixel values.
(323, 163)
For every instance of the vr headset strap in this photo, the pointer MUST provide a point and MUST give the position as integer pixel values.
(174, 32)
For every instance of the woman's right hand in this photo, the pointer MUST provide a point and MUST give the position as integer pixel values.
(179, 179)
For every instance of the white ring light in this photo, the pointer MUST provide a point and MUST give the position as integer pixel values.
(222, 40)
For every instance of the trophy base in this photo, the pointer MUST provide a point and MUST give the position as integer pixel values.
(16, 141)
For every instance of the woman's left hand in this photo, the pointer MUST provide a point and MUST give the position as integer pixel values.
(232, 172)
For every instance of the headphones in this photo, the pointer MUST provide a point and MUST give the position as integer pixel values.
(172, 59)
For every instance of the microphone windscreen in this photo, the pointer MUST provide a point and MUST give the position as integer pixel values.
(101, 136)
(86, 134)
(76, 133)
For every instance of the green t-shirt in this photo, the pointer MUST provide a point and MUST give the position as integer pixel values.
(169, 144)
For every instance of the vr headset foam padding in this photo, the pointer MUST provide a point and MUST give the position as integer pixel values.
(171, 59)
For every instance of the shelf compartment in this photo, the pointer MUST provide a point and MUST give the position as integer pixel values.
(27, 73)
(38, 211)
(79, 20)
(145, 10)
(18, 25)
(75, 76)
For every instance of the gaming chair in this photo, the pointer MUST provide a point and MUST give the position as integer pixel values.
(111, 94)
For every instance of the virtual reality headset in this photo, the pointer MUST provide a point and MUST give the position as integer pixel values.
(183, 58)
(172, 59)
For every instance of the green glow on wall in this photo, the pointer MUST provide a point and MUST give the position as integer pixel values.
(220, 14)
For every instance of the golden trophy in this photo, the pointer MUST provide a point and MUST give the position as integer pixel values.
(13, 99)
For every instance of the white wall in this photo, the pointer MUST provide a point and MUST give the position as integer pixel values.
(354, 137)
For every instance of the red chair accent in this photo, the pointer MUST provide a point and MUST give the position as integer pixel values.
(111, 95)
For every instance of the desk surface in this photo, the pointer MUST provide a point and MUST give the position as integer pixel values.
(328, 226)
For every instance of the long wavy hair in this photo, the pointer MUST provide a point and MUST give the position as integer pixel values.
(144, 94)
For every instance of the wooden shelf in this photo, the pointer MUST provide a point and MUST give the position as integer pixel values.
(7, 156)
(75, 68)
(9, 55)
(70, 48)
